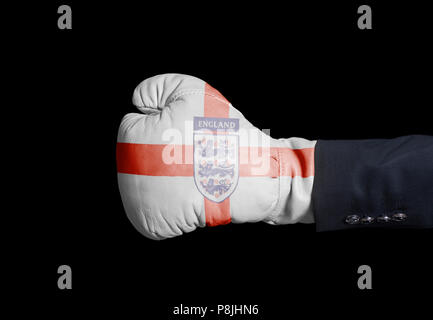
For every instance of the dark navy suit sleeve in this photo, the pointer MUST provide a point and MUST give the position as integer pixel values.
(373, 183)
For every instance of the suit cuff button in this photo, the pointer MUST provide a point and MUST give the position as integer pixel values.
(399, 217)
(367, 220)
(352, 219)
(383, 219)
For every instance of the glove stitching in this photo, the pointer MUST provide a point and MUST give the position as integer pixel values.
(275, 211)
(193, 92)
(147, 225)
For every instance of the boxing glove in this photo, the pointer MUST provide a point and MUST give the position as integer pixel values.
(190, 159)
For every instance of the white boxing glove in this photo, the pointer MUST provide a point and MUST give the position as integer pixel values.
(190, 159)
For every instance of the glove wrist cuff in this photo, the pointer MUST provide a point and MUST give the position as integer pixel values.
(296, 176)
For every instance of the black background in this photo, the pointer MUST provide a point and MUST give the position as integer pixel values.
(301, 70)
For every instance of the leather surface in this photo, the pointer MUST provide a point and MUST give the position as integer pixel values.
(161, 197)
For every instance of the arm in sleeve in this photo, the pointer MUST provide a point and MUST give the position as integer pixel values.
(373, 183)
